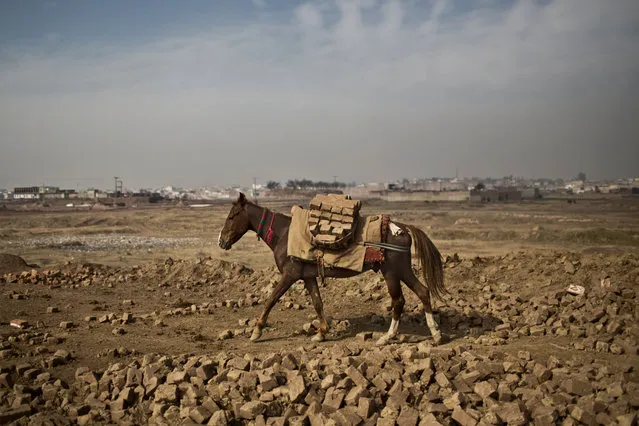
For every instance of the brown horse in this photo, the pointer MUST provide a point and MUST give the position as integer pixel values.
(396, 267)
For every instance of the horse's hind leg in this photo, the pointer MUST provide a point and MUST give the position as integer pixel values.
(313, 290)
(395, 291)
(285, 283)
(421, 291)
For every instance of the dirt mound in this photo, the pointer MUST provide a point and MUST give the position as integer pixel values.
(11, 263)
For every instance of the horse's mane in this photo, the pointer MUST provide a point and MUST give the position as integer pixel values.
(270, 210)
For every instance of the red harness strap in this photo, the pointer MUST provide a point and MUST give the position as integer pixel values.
(269, 232)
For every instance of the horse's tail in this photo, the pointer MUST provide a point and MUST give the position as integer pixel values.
(430, 261)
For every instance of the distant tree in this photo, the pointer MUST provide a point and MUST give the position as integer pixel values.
(291, 184)
(271, 184)
(581, 176)
(480, 186)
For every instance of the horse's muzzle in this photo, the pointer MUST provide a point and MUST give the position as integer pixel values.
(224, 245)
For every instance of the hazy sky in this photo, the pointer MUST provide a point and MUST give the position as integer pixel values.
(201, 92)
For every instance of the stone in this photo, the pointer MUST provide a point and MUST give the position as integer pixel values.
(166, 393)
(461, 417)
(205, 372)
(356, 376)
(353, 396)
(577, 386)
(252, 409)
(513, 413)
(627, 419)
(408, 416)
(485, 389)
(542, 373)
(225, 335)
(66, 324)
(544, 415)
(199, 415)
(219, 418)
(365, 335)
(14, 414)
(428, 419)
(333, 399)
(366, 407)
(442, 380)
(346, 416)
(583, 416)
(296, 388)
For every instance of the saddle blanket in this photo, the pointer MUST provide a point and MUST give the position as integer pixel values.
(300, 246)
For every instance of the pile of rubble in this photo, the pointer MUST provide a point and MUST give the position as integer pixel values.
(186, 272)
(345, 385)
(496, 306)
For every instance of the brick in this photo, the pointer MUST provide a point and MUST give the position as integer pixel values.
(15, 414)
(366, 407)
(166, 393)
(346, 417)
(576, 386)
(205, 372)
(199, 415)
(485, 389)
(513, 413)
(357, 377)
(408, 416)
(627, 419)
(219, 418)
(353, 396)
(442, 380)
(429, 419)
(461, 417)
(333, 399)
(252, 409)
(296, 388)
(583, 416)
(544, 415)
(454, 400)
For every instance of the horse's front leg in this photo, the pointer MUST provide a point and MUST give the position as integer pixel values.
(313, 290)
(285, 283)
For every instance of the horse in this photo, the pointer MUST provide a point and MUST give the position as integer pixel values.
(396, 267)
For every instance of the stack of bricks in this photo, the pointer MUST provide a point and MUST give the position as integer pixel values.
(332, 220)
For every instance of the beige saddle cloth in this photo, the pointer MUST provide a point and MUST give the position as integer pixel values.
(352, 257)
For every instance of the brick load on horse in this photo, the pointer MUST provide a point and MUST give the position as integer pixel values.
(395, 264)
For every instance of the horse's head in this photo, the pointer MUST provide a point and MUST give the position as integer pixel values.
(236, 225)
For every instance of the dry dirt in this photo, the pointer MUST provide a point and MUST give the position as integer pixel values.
(110, 289)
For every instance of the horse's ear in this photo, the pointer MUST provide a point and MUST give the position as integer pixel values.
(241, 199)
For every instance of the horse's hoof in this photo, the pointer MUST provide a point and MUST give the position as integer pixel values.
(382, 341)
(437, 339)
(256, 335)
(319, 337)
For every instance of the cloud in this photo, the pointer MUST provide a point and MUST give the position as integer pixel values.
(260, 4)
(361, 46)
(362, 66)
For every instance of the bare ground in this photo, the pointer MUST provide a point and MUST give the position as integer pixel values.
(162, 266)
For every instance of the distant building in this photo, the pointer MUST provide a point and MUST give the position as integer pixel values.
(26, 193)
(498, 195)
(530, 194)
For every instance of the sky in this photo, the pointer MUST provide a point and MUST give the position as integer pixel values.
(216, 92)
